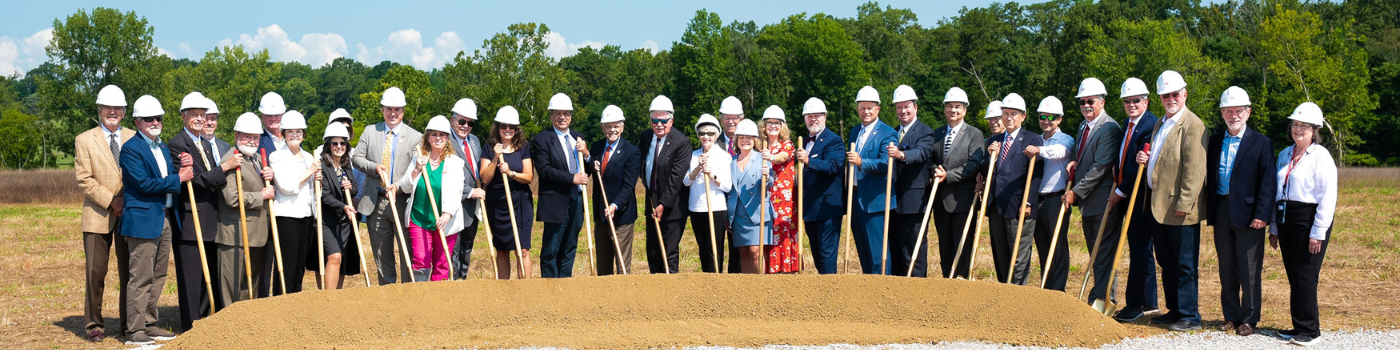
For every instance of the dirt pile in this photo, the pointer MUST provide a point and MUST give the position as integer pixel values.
(651, 311)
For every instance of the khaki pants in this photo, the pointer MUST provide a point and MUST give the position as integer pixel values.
(150, 260)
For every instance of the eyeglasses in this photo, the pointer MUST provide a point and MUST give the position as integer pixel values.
(155, 119)
(773, 122)
(338, 144)
(1172, 95)
(509, 127)
(463, 121)
(1049, 117)
(1133, 101)
(705, 133)
(659, 121)
(1300, 125)
(1087, 101)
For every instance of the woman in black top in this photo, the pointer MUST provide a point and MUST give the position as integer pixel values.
(509, 142)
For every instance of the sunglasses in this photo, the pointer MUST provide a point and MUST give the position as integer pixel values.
(1087, 101)
(463, 121)
(1050, 117)
(1173, 95)
(509, 127)
(338, 144)
(659, 121)
(1133, 101)
(155, 119)
(706, 133)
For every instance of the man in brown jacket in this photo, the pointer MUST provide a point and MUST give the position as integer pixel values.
(229, 239)
(100, 179)
(1176, 174)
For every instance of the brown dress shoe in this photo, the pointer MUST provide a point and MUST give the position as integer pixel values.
(1226, 326)
(95, 336)
(1244, 330)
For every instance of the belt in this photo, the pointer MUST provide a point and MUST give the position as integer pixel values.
(1052, 194)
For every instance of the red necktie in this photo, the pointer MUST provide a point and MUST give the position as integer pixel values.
(1005, 148)
(607, 153)
(1083, 138)
(471, 163)
(1123, 152)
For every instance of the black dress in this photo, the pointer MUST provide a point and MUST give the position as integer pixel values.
(339, 230)
(498, 218)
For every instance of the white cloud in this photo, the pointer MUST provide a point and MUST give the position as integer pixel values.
(186, 50)
(19, 56)
(559, 48)
(650, 45)
(315, 49)
(163, 52)
(406, 46)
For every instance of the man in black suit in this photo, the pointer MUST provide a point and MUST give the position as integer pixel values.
(208, 182)
(1008, 190)
(558, 154)
(665, 161)
(823, 186)
(911, 156)
(619, 163)
(957, 156)
(1239, 193)
(1141, 291)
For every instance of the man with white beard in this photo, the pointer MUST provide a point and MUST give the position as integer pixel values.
(229, 239)
(1239, 197)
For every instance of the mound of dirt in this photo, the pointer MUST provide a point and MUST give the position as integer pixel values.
(658, 311)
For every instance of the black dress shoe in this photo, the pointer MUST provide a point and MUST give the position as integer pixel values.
(1166, 319)
(1304, 340)
(1184, 326)
(1128, 315)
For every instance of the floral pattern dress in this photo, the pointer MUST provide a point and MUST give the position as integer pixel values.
(782, 255)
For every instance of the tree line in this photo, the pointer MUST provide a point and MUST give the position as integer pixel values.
(1343, 56)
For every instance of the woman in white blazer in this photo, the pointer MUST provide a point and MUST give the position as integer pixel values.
(443, 170)
(294, 173)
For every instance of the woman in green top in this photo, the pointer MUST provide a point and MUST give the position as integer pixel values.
(445, 177)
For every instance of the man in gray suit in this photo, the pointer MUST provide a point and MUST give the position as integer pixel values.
(960, 152)
(468, 147)
(384, 151)
(1091, 169)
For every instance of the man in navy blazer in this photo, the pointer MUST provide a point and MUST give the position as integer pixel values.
(559, 154)
(959, 153)
(151, 181)
(618, 165)
(1141, 291)
(911, 156)
(1008, 191)
(823, 186)
(870, 158)
(1239, 201)
(665, 158)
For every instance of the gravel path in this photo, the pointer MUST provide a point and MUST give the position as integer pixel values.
(1360, 339)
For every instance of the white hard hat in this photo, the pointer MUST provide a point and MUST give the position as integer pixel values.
(611, 114)
(213, 107)
(731, 105)
(1234, 96)
(439, 123)
(194, 100)
(147, 106)
(993, 110)
(662, 103)
(813, 105)
(248, 123)
(1307, 112)
(904, 93)
(272, 104)
(560, 102)
(393, 97)
(338, 114)
(1170, 81)
(706, 119)
(1013, 101)
(337, 130)
(868, 94)
(956, 94)
(1133, 87)
(1051, 105)
(466, 107)
(293, 120)
(508, 115)
(746, 128)
(1091, 87)
(111, 96)
(774, 112)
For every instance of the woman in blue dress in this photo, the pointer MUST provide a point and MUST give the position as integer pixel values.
(747, 198)
(510, 143)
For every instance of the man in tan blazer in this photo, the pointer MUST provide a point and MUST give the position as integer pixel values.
(1176, 174)
(100, 179)
(233, 285)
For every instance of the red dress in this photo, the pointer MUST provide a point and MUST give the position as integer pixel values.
(782, 256)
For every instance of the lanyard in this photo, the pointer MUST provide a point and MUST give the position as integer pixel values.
(1289, 173)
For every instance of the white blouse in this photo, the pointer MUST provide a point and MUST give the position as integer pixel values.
(719, 164)
(1312, 180)
(293, 199)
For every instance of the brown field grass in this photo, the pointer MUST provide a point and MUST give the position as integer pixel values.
(41, 294)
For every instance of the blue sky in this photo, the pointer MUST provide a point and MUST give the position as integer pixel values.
(422, 33)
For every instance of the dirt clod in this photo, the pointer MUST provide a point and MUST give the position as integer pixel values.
(659, 311)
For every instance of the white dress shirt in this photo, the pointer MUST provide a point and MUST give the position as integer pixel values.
(1164, 127)
(1312, 180)
(566, 139)
(160, 163)
(719, 164)
(1131, 153)
(109, 136)
(294, 199)
(650, 157)
(1055, 152)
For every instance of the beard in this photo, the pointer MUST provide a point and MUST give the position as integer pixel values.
(1173, 110)
(248, 151)
(153, 131)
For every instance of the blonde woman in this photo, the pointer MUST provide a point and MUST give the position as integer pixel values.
(777, 150)
(437, 162)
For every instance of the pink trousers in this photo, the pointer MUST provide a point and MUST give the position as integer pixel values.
(428, 251)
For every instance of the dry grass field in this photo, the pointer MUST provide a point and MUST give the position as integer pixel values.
(41, 258)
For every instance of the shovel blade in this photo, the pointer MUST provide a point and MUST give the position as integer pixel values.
(1104, 307)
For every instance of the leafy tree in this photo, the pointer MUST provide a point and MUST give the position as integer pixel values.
(702, 61)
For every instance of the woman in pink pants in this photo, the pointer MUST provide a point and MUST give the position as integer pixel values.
(444, 172)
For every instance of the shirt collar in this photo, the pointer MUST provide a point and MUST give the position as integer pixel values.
(1240, 136)
(106, 132)
(192, 136)
(154, 143)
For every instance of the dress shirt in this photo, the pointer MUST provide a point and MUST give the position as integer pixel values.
(1127, 136)
(1055, 152)
(160, 163)
(1163, 128)
(109, 135)
(650, 157)
(719, 164)
(865, 131)
(1312, 180)
(1231, 147)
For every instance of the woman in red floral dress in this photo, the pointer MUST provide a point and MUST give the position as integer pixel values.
(782, 254)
